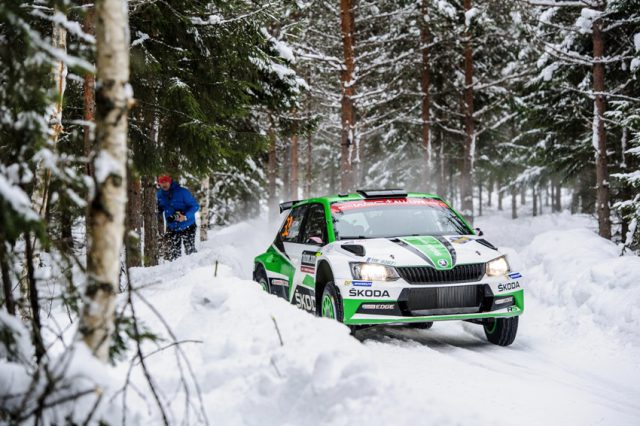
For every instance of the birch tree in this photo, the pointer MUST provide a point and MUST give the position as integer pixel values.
(106, 212)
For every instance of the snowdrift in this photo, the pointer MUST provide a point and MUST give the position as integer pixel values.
(581, 272)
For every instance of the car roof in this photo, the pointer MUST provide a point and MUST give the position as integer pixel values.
(356, 196)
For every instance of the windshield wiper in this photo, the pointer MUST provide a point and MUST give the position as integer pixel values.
(359, 237)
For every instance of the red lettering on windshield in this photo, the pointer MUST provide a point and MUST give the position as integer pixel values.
(363, 204)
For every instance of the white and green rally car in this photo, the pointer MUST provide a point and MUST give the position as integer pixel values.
(390, 257)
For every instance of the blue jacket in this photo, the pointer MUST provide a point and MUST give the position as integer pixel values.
(176, 199)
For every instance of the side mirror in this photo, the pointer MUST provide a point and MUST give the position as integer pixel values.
(479, 232)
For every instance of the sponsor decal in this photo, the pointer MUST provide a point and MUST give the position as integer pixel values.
(304, 299)
(378, 306)
(515, 275)
(308, 262)
(278, 281)
(362, 283)
(459, 240)
(380, 261)
(363, 204)
(358, 292)
(509, 286)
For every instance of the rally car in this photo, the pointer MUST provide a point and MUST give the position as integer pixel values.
(382, 257)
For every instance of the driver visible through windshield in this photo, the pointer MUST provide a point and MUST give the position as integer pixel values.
(395, 217)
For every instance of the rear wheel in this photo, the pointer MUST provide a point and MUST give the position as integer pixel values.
(331, 305)
(501, 331)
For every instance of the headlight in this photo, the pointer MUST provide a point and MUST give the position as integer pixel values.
(373, 272)
(497, 267)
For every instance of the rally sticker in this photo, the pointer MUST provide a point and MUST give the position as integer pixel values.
(361, 204)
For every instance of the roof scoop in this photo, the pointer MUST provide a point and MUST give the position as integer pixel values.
(382, 193)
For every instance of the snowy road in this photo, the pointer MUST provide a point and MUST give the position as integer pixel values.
(576, 359)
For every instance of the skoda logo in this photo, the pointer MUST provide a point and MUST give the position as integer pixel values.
(443, 262)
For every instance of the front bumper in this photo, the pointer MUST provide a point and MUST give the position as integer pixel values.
(401, 302)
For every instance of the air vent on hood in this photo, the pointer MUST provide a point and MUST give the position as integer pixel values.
(356, 249)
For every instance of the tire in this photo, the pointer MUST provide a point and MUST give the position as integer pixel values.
(331, 305)
(422, 325)
(261, 278)
(501, 331)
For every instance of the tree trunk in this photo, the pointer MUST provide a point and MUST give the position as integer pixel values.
(546, 195)
(106, 212)
(7, 288)
(441, 183)
(466, 189)
(599, 133)
(150, 213)
(34, 301)
(204, 211)
(523, 195)
(272, 171)
(88, 26)
(479, 197)
(540, 203)
(293, 194)
(286, 173)
(558, 197)
(425, 77)
(133, 221)
(347, 81)
(500, 195)
(308, 169)
(490, 184)
(41, 188)
(514, 204)
(535, 200)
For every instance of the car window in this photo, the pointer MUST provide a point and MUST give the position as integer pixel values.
(315, 229)
(290, 231)
(394, 218)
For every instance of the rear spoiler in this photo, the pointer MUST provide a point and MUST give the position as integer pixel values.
(287, 205)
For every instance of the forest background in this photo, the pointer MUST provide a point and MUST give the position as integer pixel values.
(252, 103)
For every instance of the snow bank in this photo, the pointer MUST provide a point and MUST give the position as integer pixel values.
(581, 271)
(259, 360)
(262, 361)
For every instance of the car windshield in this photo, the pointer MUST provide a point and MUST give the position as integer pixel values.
(385, 218)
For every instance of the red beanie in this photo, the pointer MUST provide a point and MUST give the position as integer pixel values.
(164, 178)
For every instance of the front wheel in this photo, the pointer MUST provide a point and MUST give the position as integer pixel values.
(331, 305)
(501, 331)
(422, 325)
(261, 278)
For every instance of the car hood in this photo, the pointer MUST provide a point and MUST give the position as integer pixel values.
(441, 252)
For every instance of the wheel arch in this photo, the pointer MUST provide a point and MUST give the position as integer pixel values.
(324, 274)
(259, 266)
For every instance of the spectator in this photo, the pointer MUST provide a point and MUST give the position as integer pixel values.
(179, 210)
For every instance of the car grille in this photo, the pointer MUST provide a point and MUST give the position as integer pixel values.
(442, 300)
(429, 275)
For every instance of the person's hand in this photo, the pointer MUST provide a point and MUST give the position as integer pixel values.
(181, 217)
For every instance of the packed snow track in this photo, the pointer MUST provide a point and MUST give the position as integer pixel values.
(262, 361)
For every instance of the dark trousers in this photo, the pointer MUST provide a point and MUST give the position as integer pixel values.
(175, 239)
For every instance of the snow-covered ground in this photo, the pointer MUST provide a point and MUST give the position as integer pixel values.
(261, 361)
